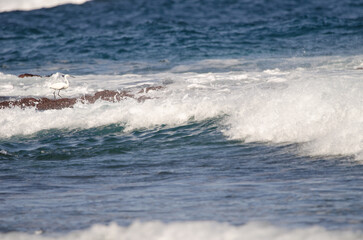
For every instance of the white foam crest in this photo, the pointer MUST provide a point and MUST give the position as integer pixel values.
(26, 5)
(28, 121)
(194, 231)
(131, 113)
(323, 110)
(3, 152)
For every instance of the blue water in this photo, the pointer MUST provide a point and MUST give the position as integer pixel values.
(61, 181)
(103, 36)
(62, 177)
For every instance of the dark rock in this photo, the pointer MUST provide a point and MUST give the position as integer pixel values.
(46, 103)
(28, 75)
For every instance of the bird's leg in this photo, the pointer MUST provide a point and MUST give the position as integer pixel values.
(58, 93)
(54, 95)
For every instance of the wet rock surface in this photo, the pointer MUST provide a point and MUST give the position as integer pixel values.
(47, 103)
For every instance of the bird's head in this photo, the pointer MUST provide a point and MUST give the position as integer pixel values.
(67, 75)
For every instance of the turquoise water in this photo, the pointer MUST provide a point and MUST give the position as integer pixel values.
(260, 118)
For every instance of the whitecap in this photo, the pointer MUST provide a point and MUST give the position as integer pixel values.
(27, 5)
(194, 231)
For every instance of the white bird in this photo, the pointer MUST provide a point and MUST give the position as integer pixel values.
(61, 85)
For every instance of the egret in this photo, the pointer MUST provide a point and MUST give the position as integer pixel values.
(61, 85)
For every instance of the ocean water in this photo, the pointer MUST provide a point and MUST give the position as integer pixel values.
(257, 132)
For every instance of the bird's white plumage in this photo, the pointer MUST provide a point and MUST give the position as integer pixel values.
(60, 85)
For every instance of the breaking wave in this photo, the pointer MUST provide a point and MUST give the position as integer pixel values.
(194, 231)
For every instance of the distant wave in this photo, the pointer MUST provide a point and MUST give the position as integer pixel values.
(195, 231)
(26, 5)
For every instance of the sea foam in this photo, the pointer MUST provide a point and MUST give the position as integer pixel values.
(26, 5)
(193, 231)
